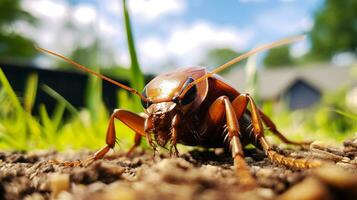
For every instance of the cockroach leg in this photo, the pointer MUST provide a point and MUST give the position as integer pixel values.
(137, 141)
(242, 169)
(270, 124)
(287, 161)
(175, 123)
(148, 128)
(132, 120)
(273, 155)
(240, 105)
(151, 143)
(222, 108)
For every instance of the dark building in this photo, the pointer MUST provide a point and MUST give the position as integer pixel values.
(301, 94)
(70, 85)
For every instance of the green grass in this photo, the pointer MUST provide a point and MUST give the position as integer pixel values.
(22, 131)
(85, 128)
(329, 121)
(136, 75)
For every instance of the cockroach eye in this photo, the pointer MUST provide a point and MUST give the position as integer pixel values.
(190, 94)
(145, 104)
(176, 100)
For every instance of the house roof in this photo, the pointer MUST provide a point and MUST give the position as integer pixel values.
(274, 82)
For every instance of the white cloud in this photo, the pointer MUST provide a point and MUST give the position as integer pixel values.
(153, 48)
(46, 8)
(49, 31)
(183, 44)
(150, 10)
(146, 11)
(202, 35)
(187, 44)
(52, 31)
(284, 20)
(84, 14)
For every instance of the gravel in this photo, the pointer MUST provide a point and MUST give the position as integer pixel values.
(198, 174)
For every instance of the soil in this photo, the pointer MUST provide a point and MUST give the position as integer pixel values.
(198, 174)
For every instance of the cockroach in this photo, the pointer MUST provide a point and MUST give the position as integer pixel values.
(194, 107)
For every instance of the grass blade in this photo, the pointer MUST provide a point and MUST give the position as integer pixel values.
(46, 121)
(136, 75)
(345, 114)
(12, 96)
(252, 77)
(59, 98)
(30, 92)
(57, 115)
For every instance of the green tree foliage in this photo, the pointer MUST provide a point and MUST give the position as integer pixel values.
(85, 55)
(335, 29)
(94, 55)
(219, 56)
(278, 57)
(13, 46)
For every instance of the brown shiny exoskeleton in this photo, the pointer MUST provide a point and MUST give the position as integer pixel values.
(194, 107)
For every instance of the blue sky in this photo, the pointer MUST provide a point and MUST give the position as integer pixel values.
(175, 32)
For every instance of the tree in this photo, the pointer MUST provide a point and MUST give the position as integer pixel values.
(219, 56)
(278, 57)
(13, 46)
(85, 55)
(335, 29)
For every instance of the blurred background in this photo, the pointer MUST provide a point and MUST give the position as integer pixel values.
(308, 88)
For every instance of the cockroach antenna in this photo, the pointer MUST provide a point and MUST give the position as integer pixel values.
(83, 68)
(235, 60)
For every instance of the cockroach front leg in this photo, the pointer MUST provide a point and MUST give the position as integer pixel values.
(132, 120)
(137, 141)
(220, 109)
(148, 128)
(174, 131)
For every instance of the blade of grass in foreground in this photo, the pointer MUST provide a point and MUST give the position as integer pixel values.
(59, 98)
(16, 126)
(7, 87)
(251, 72)
(345, 114)
(30, 92)
(136, 75)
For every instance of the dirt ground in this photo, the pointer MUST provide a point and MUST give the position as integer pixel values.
(194, 175)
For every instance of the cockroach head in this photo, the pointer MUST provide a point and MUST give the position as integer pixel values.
(177, 101)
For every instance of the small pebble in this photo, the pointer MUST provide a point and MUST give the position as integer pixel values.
(309, 189)
(117, 192)
(336, 176)
(318, 145)
(58, 183)
(264, 173)
(266, 193)
(345, 159)
(34, 196)
(64, 195)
